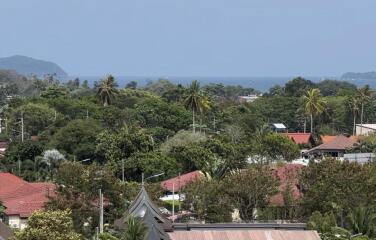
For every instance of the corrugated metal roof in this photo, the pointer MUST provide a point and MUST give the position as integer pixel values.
(245, 235)
(279, 125)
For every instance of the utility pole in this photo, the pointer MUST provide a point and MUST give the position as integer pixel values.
(305, 124)
(100, 211)
(173, 202)
(87, 113)
(22, 127)
(214, 124)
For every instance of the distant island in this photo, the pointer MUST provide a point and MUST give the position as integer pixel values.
(30, 66)
(353, 75)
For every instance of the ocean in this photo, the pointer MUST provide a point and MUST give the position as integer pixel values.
(259, 83)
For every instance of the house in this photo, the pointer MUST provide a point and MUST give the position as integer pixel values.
(361, 158)
(22, 198)
(278, 127)
(5, 232)
(335, 147)
(289, 181)
(179, 182)
(301, 138)
(248, 99)
(365, 129)
(161, 228)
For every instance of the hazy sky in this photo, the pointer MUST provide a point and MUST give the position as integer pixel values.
(193, 37)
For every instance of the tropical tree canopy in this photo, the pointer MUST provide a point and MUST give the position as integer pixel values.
(107, 90)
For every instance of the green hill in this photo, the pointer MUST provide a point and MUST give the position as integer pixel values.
(30, 66)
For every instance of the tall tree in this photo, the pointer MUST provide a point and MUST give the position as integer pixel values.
(194, 100)
(354, 106)
(364, 95)
(250, 189)
(107, 90)
(314, 104)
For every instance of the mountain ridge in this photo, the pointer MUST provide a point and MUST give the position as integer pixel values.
(359, 75)
(30, 66)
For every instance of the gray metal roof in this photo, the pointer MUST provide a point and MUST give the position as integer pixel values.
(144, 208)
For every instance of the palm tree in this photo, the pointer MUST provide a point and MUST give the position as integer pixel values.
(354, 106)
(314, 104)
(107, 90)
(136, 229)
(364, 95)
(194, 100)
(363, 221)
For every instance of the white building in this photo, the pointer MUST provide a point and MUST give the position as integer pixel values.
(365, 129)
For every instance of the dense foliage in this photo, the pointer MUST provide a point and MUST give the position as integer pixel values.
(103, 137)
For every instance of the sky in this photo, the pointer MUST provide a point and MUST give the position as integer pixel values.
(193, 37)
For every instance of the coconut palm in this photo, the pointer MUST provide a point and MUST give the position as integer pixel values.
(314, 104)
(195, 101)
(136, 229)
(364, 95)
(354, 106)
(107, 90)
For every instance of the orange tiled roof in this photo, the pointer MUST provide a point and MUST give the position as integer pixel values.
(181, 181)
(327, 138)
(299, 138)
(23, 198)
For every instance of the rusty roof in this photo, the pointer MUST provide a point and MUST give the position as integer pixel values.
(245, 235)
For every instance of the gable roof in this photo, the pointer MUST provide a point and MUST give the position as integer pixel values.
(181, 181)
(300, 138)
(340, 142)
(144, 208)
(22, 198)
(327, 138)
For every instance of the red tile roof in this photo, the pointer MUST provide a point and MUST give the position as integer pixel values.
(288, 177)
(340, 142)
(23, 198)
(181, 181)
(327, 138)
(300, 138)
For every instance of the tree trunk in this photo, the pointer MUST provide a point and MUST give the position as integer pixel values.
(193, 121)
(311, 123)
(201, 124)
(105, 104)
(354, 126)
